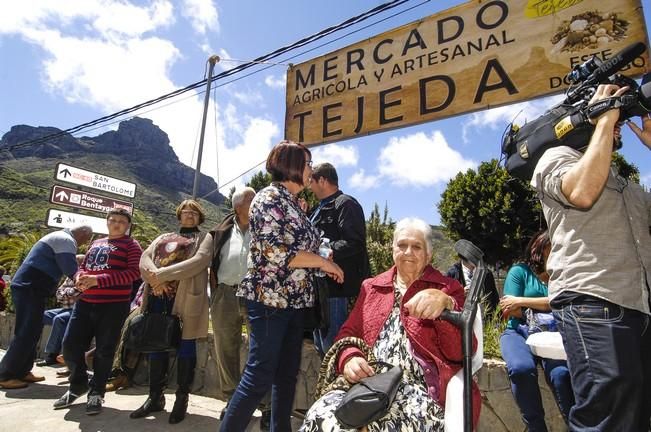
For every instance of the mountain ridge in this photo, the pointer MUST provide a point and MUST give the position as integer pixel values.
(138, 151)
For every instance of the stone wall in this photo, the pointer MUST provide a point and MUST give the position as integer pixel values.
(499, 412)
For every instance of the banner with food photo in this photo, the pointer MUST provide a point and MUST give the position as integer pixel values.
(478, 55)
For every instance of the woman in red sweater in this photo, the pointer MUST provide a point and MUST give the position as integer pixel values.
(397, 315)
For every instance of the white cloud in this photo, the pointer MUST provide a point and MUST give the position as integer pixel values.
(108, 17)
(337, 155)
(274, 82)
(361, 181)
(645, 179)
(202, 14)
(249, 97)
(104, 74)
(420, 160)
(499, 118)
(118, 61)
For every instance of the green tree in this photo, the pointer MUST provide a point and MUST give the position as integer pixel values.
(379, 240)
(228, 202)
(259, 181)
(14, 249)
(496, 212)
(625, 169)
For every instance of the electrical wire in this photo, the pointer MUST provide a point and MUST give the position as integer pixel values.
(300, 43)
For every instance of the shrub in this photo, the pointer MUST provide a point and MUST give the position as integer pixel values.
(494, 326)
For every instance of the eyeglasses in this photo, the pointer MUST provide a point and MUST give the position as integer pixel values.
(309, 163)
(190, 212)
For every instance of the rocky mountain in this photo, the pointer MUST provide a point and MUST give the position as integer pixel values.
(138, 151)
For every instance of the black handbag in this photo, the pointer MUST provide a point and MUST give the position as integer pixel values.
(318, 316)
(369, 399)
(153, 332)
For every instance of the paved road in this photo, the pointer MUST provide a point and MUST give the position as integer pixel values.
(30, 409)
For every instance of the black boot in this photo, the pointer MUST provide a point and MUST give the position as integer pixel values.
(157, 382)
(184, 377)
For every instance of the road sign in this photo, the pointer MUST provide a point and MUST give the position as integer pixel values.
(63, 219)
(87, 201)
(78, 176)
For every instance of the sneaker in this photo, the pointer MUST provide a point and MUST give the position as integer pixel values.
(31, 378)
(94, 404)
(265, 420)
(12, 384)
(66, 400)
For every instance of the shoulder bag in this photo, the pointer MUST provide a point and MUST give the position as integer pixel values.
(371, 398)
(153, 332)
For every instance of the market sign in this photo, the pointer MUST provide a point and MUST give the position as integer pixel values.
(81, 177)
(63, 219)
(480, 54)
(87, 201)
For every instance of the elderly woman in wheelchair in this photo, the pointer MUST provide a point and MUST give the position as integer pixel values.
(396, 321)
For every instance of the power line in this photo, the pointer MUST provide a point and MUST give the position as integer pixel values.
(264, 58)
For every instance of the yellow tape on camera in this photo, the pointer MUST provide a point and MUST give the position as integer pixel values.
(563, 127)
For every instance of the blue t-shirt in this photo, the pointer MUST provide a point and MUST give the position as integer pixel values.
(521, 281)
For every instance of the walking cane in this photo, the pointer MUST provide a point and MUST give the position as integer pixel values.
(465, 320)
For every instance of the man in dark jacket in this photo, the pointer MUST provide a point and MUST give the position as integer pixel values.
(462, 271)
(341, 220)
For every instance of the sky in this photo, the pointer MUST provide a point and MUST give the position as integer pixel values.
(66, 62)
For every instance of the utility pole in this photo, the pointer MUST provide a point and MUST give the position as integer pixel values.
(212, 61)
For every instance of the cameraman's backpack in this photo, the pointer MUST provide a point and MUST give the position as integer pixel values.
(563, 125)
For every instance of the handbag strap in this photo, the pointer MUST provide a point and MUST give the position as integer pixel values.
(328, 378)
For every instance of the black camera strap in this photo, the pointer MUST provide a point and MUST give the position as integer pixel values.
(598, 108)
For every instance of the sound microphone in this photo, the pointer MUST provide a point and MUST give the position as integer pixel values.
(614, 64)
(607, 68)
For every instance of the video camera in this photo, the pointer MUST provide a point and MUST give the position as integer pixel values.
(568, 123)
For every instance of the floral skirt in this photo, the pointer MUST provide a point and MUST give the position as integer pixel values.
(412, 411)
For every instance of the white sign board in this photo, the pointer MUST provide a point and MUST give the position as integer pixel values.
(81, 177)
(63, 219)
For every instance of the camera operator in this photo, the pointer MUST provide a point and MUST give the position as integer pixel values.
(643, 133)
(599, 276)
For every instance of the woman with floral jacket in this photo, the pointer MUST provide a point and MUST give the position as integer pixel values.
(277, 288)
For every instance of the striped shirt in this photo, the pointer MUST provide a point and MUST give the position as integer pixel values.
(115, 263)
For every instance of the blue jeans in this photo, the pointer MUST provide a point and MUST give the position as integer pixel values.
(104, 322)
(29, 304)
(522, 367)
(58, 319)
(275, 344)
(609, 356)
(338, 312)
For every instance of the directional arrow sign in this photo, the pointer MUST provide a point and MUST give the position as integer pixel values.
(78, 176)
(87, 201)
(61, 196)
(64, 219)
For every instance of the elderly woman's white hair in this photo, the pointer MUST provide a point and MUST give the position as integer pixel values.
(417, 224)
(240, 194)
